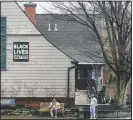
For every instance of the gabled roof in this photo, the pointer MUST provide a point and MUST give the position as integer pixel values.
(74, 39)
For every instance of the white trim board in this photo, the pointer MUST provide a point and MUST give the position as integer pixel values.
(83, 63)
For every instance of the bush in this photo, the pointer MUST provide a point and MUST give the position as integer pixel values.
(113, 101)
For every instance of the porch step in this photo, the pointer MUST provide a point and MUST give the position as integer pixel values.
(81, 97)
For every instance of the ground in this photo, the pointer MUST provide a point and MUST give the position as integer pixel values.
(48, 118)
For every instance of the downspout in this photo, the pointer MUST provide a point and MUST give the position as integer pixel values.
(68, 81)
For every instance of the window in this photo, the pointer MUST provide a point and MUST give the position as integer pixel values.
(3, 43)
(81, 74)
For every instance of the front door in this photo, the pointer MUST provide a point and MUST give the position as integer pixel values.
(82, 77)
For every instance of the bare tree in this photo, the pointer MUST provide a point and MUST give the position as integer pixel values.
(113, 36)
(50, 91)
(14, 90)
(71, 90)
(4, 90)
(31, 90)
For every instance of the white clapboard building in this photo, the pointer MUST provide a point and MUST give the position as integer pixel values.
(44, 57)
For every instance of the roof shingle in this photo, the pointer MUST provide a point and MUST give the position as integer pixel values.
(74, 39)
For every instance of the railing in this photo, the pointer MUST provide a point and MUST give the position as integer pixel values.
(90, 86)
(88, 89)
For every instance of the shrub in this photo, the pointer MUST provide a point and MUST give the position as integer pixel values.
(113, 101)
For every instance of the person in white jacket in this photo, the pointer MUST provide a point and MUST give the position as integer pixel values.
(93, 104)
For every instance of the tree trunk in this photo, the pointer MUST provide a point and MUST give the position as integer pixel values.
(121, 96)
(121, 89)
(125, 95)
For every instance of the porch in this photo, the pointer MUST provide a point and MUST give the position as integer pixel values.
(88, 81)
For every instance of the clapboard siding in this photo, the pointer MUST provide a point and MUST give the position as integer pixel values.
(48, 85)
(36, 72)
(16, 27)
(47, 65)
(53, 72)
(42, 56)
(44, 60)
(57, 84)
(40, 48)
(34, 77)
(37, 84)
(34, 69)
(38, 65)
(55, 77)
(40, 92)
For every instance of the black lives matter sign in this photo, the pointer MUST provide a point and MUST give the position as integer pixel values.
(21, 51)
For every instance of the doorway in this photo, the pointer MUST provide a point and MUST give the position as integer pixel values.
(83, 75)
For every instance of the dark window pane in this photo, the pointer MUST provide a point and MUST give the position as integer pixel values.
(81, 74)
(88, 74)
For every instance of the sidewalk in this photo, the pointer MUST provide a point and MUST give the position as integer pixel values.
(129, 118)
(37, 118)
(48, 118)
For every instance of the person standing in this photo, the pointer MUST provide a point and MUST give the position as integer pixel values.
(54, 107)
(93, 104)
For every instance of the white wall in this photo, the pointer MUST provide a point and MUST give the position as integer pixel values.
(47, 65)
